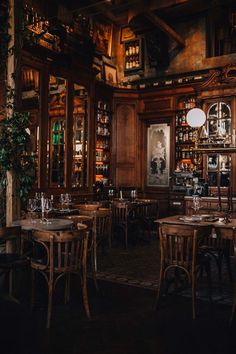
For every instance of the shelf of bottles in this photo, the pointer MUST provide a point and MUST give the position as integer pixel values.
(133, 55)
(185, 136)
(57, 118)
(79, 165)
(30, 101)
(103, 141)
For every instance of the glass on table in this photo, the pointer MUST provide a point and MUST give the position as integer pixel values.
(31, 207)
(47, 208)
(196, 204)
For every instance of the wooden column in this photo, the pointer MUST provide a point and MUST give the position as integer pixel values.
(12, 202)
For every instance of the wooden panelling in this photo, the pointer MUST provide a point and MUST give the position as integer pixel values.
(158, 105)
(126, 144)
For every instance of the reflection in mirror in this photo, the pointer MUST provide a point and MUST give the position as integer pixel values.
(219, 120)
(56, 144)
(80, 127)
(30, 100)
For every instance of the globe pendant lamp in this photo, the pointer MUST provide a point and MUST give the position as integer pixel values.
(196, 117)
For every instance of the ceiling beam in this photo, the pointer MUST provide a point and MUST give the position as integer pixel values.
(157, 21)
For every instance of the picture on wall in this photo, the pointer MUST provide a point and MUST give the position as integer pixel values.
(102, 37)
(110, 74)
(158, 155)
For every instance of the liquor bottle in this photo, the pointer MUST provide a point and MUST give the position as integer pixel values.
(137, 47)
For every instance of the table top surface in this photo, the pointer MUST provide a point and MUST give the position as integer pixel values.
(37, 224)
(202, 220)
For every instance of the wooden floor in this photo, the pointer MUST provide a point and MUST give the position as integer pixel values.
(123, 322)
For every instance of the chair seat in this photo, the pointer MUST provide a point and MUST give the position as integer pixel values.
(9, 260)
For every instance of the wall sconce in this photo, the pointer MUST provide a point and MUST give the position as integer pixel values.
(196, 117)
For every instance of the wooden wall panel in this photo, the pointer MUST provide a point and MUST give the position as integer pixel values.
(126, 144)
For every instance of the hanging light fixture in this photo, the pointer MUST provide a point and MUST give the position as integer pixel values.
(196, 117)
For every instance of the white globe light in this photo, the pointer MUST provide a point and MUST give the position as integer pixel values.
(196, 117)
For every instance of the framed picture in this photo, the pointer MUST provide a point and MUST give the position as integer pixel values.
(158, 155)
(110, 74)
(102, 37)
(98, 69)
(126, 34)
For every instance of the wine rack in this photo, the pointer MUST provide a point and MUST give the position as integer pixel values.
(103, 141)
(133, 55)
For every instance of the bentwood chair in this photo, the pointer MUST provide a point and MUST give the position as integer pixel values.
(58, 254)
(147, 212)
(226, 235)
(11, 259)
(100, 231)
(124, 217)
(179, 246)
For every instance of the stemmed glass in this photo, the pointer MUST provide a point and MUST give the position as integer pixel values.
(47, 208)
(133, 194)
(110, 194)
(62, 200)
(196, 203)
(67, 200)
(31, 207)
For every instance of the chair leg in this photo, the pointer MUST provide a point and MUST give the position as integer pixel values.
(67, 288)
(194, 295)
(161, 279)
(50, 294)
(94, 269)
(11, 282)
(32, 300)
(85, 293)
(208, 273)
(233, 309)
(126, 237)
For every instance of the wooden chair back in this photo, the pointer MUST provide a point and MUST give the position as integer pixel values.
(11, 237)
(58, 254)
(61, 251)
(179, 244)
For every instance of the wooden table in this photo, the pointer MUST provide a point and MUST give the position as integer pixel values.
(179, 220)
(54, 225)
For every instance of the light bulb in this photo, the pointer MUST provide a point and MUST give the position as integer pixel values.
(196, 117)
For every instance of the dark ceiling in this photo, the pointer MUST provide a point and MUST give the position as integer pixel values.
(121, 11)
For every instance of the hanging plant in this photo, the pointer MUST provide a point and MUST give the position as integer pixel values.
(15, 145)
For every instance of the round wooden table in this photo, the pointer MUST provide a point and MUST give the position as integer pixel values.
(37, 224)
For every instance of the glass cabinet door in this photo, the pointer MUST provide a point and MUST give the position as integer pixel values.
(80, 136)
(57, 121)
(219, 121)
(30, 102)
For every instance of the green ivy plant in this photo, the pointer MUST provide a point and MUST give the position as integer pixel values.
(15, 153)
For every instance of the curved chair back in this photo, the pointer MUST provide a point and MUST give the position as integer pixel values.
(57, 254)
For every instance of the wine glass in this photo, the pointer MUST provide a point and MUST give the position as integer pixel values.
(196, 203)
(68, 200)
(31, 207)
(47, 208)
(62, 200)
(110, 194)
